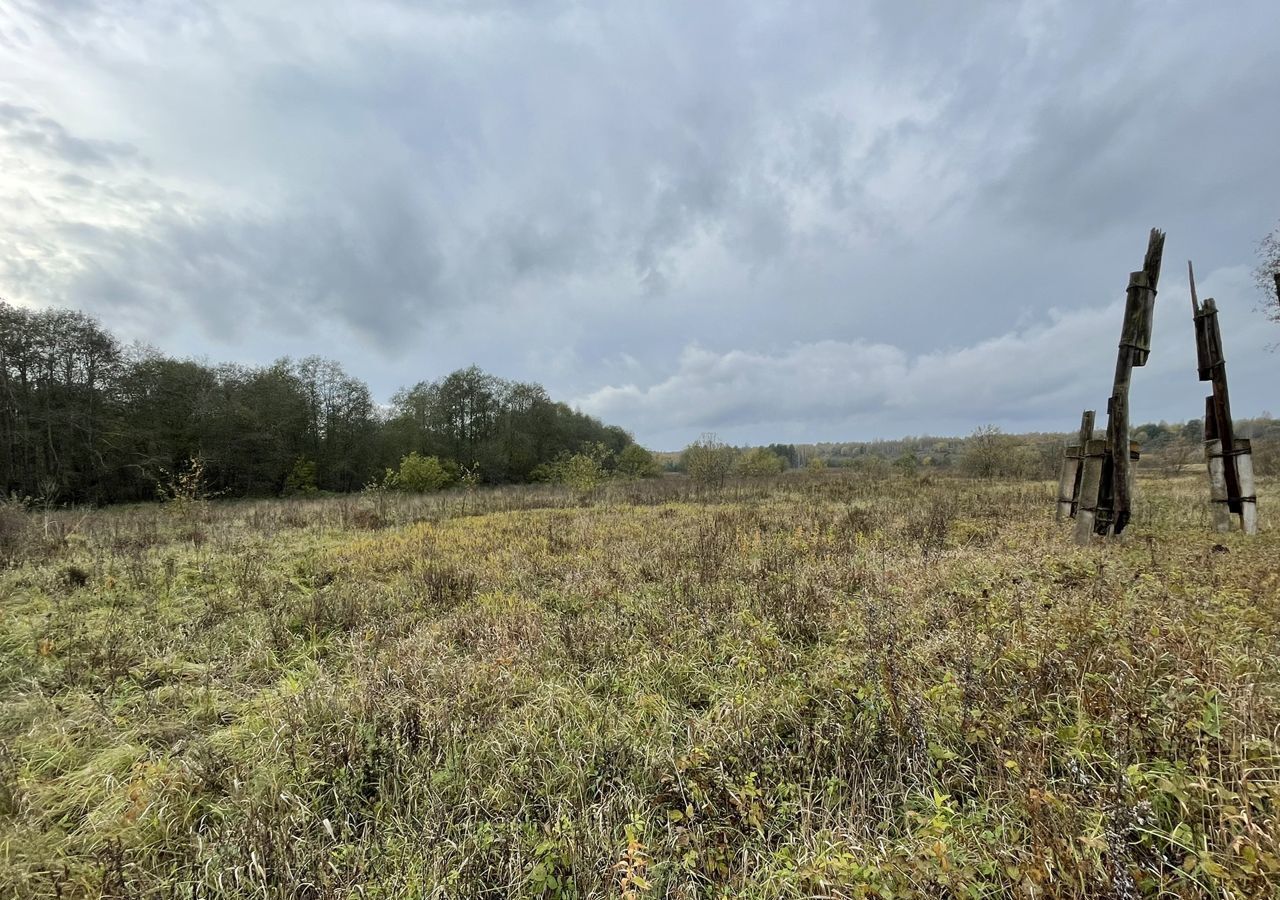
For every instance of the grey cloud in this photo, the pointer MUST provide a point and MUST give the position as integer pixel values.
(1033, 378)
(544, 188)
(24, 127)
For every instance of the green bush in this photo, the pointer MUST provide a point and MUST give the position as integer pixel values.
(760, 462)
(421, 474)
(637, 462)
(301, 478)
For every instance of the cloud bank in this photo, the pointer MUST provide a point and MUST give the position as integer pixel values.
(832, 220)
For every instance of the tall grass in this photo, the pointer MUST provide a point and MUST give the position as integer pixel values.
(815, 686)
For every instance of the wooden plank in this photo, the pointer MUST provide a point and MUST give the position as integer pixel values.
(1086, 428)
(1067, 481)
(1248, 495)
(1217, 486)
(1197, 318)
(1086, 511)
(1073, 469)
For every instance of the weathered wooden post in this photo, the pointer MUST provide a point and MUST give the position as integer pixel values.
(1091, 466)
(1110, 499)
(1073, 469)
(1229, 459)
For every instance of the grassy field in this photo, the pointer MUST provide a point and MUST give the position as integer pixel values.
(812, 687)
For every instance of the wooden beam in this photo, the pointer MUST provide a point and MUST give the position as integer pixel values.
(1135, 348)
(1095, 453)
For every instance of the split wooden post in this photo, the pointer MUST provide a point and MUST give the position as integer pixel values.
(1217, 485)
(1073, 469)
(1229, 460)
(1249, 495)
(1095, 453)
(1135, 348)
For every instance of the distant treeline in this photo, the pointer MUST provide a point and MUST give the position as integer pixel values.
(987, 452)
(86, 419)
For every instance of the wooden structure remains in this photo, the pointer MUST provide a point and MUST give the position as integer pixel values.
(1073, 469)
(1230, 459)
(1099, 473)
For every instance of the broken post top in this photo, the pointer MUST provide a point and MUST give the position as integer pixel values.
(1208, 337)
(1195, 301)
(1155, 253)
(1199, 309)
(1135, 336)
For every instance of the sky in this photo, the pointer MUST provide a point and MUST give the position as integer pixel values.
(773, 221)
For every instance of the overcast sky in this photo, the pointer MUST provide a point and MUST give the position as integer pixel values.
(774, 221)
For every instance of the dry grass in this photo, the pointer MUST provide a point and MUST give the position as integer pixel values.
(806, 687)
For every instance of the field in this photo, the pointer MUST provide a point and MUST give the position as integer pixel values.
(814, 686)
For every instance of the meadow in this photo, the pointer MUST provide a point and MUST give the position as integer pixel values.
(818, 685)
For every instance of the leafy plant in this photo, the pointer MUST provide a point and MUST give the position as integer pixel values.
(421, 474)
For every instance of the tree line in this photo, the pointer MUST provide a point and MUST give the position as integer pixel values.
(85, 419)
(988, 452)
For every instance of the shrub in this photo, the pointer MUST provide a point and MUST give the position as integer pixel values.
(421, 474)
(637, 462)
(584, 471)
(301, 478)
(760, 462)
(907, 464)
(708, 461)
(186, 491)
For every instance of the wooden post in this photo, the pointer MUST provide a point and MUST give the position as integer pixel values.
(1229, 460)
(1135, 348)
(1073, 468)
(1066, 483)
(1248, 494)
(1217, 485)
(1095, 453)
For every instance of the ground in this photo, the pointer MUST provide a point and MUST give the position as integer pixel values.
(817, 685)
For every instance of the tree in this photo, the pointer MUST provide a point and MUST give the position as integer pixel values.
(707, 461)
(787, 452)
(1267, 274)
(984, 451)
(83, 420)
(990, 453)
(907, 464)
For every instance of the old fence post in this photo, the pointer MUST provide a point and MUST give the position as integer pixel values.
(1229, 459)
(1073, 469)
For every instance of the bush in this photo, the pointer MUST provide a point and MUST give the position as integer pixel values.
(990, 453)
(708, 461)
(637, 462)
(760, 462)
(584, 471)
(302, 477)
(421, 474)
